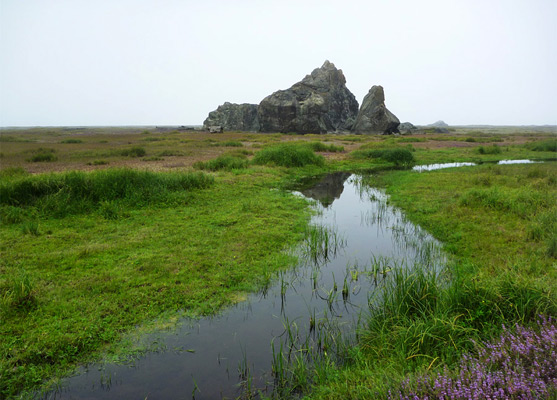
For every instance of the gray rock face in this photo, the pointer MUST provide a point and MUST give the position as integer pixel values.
(234, 117)
(373, 116)
(407, 127)
(320, 103)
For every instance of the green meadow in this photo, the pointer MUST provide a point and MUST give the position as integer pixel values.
(107, 235)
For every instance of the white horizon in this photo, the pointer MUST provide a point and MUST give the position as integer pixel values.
(129, 63)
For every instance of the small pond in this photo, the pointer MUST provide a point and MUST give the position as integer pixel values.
(354, 235)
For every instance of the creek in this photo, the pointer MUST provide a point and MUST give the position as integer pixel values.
(355, 239)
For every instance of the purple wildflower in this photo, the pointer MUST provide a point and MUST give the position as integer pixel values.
(519, 365)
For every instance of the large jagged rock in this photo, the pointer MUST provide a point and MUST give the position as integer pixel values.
(234, 117)
(320, 103)
(373, 116)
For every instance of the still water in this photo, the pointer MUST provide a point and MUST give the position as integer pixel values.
(434, 167)
(356, 232)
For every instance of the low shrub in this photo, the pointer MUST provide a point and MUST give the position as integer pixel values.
(288, 155)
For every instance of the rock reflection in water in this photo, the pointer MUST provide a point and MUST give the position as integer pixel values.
(328, 189)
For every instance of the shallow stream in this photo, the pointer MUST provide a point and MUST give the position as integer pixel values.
(355, 239)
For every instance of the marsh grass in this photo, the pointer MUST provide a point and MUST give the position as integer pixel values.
(61, 194)
(398, 156)
(225, 162)
(543, 145)
(494, 149)
(43, 155)
(71, 141)
(321, 243)
(228, 143)
(17, 293)
(135, 151)
(323, 147)
(288, 155)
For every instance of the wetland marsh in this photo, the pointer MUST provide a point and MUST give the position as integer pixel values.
(86, 278)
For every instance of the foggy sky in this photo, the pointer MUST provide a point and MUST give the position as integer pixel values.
(147, 62)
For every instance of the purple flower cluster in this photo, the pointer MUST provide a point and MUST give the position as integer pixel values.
(521, 364)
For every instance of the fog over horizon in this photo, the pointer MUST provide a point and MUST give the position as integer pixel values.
(171, 62)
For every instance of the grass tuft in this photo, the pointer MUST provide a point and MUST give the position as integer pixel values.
(43, 155)
(288, 155)
(494, 149)
(398, 156)
(134, 152)
(224, 162)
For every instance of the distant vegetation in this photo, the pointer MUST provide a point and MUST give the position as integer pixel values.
(224, 162)
(398, 156)
(288, 155)
(489, 150)
(545, 145)
(42, 155)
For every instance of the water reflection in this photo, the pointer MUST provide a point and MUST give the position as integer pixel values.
(433, 167)
(327, 189)
(354, 242)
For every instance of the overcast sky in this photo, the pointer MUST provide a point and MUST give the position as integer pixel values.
(147, 62)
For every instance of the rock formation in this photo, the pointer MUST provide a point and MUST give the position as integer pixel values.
(407, 127)
(234, 117)
(439, 124)
(320, 103)
(373, 116)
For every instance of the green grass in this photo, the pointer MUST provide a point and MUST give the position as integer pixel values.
(544, 145)
(43, 155)
(62, 194)
(494, 149)
(224, 162)
(398, 156)
(288, 155)
(134, 152)
(324, 148)
(498, 223)
(229, 143)
(93, 278)
(71, 141)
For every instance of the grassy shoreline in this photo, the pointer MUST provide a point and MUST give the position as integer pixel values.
(503, 273)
